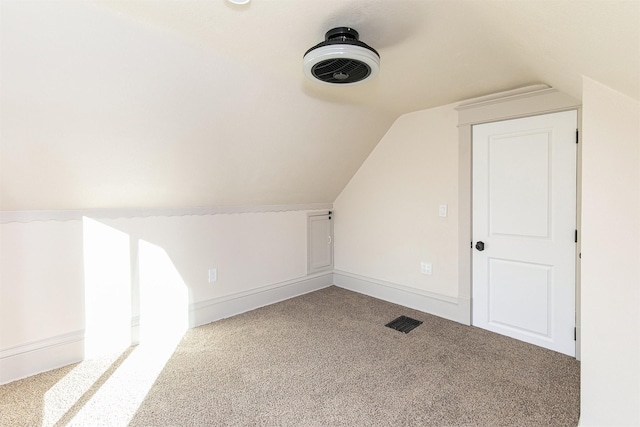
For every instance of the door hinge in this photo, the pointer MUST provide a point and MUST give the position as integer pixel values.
(575, 334)
(577, 137)
(575, 239)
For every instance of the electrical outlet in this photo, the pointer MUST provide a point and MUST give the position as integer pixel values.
(426, 268)
(213, 275)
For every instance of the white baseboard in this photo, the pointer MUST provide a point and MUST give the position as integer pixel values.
(456, 309)
(39, 356)
(214, 309)
(43, 355)
(135, 330)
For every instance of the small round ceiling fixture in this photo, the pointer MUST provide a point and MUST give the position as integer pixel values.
(239, 1)
(341, 59)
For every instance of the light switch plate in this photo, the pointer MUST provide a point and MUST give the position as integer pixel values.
(426, 268)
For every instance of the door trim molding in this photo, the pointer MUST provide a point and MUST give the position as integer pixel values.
(524, 102)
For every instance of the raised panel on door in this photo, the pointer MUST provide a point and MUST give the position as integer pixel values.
(524, 212)
(525, 308)
(519, 197)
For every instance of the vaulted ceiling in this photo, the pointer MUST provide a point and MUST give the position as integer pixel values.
(115, 104)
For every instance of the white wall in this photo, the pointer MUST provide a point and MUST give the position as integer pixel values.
(41, 276)
(387, 219)
(47, 267)
(610, 382)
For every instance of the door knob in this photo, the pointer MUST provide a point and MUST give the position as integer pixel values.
(480, 246)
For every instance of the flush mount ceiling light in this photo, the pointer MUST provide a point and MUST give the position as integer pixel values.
(341, 59)
(238, 1)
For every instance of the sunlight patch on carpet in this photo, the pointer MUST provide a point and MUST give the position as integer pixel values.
(109, 386)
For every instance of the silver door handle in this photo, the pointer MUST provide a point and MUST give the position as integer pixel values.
(329, 240)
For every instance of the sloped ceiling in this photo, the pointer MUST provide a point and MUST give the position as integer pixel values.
(146, 104)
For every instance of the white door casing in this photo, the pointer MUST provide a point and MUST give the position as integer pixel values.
(524, 211)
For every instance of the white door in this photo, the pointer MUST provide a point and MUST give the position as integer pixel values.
(319, 242)
(524, 214)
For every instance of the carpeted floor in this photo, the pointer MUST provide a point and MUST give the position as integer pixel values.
(325, 359)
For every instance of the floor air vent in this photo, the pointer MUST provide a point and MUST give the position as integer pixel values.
(404, 324)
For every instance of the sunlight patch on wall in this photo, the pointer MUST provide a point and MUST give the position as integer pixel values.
(164, 300)
(108, 390)
(163, 322)
(107, 273)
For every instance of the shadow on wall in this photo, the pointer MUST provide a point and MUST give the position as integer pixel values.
(133, 295)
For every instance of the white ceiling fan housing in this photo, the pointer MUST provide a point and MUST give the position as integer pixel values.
(341, 59)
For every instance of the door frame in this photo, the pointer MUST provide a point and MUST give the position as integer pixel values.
(518, 103)
(310, 215)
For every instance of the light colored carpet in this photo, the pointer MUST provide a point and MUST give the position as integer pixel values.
(324, 359)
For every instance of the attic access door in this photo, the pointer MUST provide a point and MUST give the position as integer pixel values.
(319, 241)
(524, 220)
